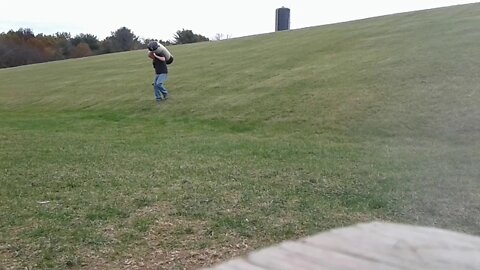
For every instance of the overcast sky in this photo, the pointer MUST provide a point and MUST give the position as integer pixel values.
(161, 19)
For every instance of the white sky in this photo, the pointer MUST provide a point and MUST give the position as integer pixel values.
(161, 19)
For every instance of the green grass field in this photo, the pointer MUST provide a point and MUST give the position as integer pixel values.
(265, 138)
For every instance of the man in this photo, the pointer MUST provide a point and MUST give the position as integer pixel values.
(160, 56)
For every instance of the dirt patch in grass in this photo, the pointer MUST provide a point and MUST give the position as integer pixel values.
(170, 242)
(7, 258)
(186, 244)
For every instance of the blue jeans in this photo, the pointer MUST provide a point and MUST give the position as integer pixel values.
(158, 88)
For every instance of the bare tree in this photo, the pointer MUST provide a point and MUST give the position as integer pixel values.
(221, 36)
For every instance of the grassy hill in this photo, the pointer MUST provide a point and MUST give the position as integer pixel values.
(265, 138)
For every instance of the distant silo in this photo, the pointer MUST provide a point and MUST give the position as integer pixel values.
(282, 19)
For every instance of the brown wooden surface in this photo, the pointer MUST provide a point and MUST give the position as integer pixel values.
(368, 246)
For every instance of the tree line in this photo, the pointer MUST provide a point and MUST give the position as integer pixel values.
(23, 47)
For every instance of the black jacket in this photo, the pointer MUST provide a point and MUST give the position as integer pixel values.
(160, 66)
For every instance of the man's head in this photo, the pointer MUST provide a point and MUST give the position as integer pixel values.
(152, 46)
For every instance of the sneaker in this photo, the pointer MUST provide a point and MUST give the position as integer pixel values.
(165, 97)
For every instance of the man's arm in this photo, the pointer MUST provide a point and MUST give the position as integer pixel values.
(153, 56)
(161, 58)
(150, 54)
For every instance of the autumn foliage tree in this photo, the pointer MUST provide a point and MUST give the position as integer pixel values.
(88, 39)
(81, 50)
(23, 47)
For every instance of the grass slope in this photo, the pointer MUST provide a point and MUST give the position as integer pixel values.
(265, 138)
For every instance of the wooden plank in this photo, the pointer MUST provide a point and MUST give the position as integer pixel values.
(405, 246)
(417, 233)
(332, 259)
(280, 259)
(238, 264)
(369, 246)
